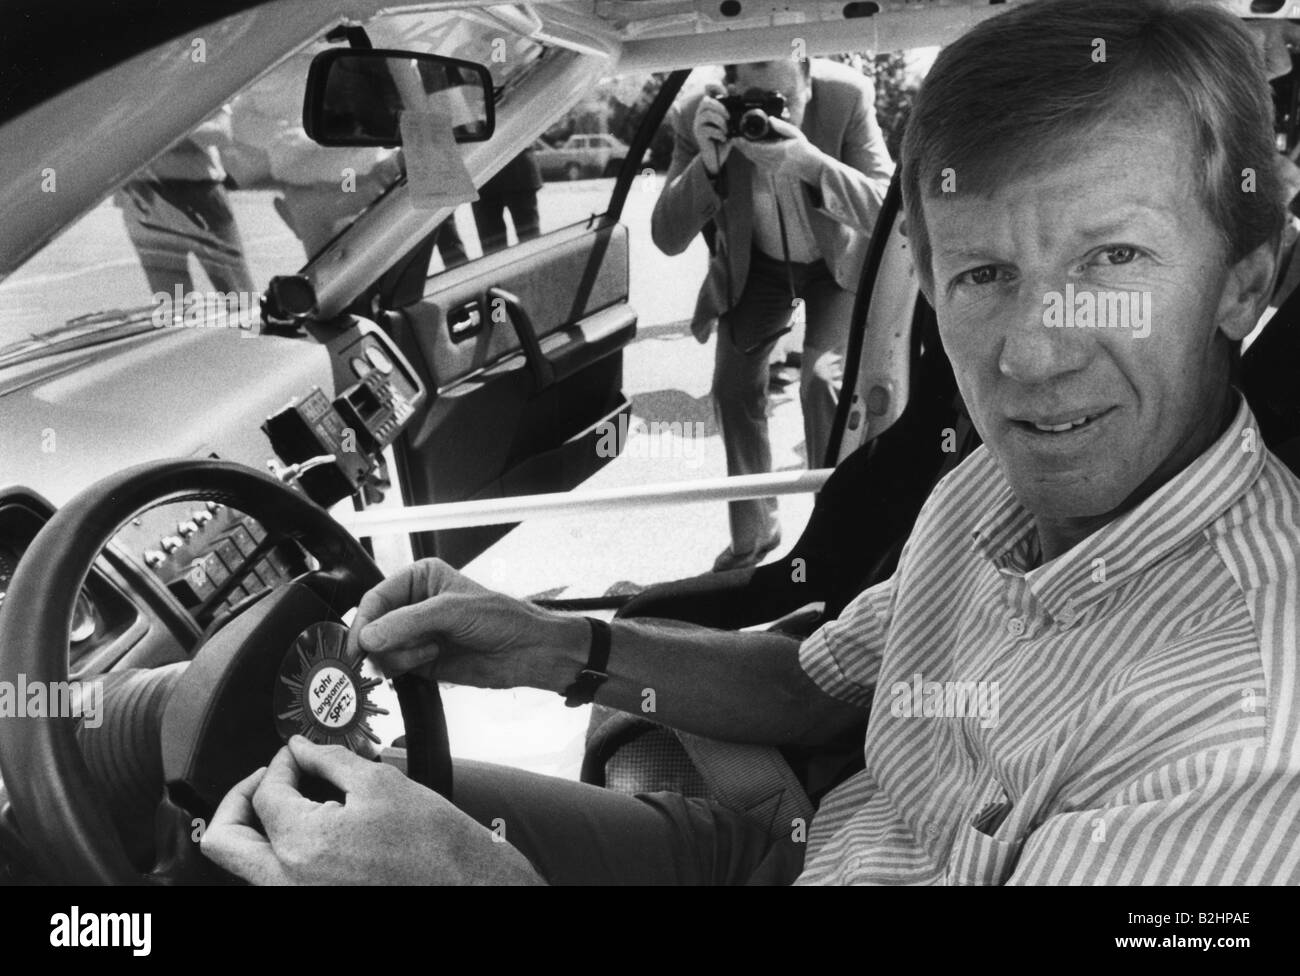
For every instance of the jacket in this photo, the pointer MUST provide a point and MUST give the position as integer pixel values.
(840, 120)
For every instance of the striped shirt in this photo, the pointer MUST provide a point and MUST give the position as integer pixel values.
(1125, 713)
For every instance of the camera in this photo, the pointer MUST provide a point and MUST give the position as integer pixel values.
(749, 115)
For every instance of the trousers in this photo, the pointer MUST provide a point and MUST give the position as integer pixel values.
(746, 336)
(489, 217)
(168, 219)
(576, 833)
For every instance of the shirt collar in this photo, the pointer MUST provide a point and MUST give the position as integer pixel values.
(1174, 513)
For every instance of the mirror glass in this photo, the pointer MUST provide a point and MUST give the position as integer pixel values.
(357, 97)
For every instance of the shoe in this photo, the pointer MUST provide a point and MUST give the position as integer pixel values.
(779, 376)
(730, 559)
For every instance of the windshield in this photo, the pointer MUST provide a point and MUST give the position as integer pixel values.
(241, 198)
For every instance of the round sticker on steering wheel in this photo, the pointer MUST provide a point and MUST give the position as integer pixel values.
(321, 693)
(332, 697)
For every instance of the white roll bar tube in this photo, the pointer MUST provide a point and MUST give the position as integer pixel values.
(520, 508)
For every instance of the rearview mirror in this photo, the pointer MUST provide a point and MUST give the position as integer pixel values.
(356, 97)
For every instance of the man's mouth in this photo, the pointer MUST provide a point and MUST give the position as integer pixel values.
(1063, 423)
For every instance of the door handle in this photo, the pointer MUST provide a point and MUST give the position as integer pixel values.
(464, 321)
(543, 373)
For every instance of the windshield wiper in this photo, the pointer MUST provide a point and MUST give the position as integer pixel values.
(92, 329)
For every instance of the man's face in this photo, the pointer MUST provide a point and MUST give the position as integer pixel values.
(784, 76)
(1086, 421)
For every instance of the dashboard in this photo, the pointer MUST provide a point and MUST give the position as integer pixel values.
(209, 557)
(144, 606)
(317, 414)
(85, 621)
(177, 572)
(119, 617)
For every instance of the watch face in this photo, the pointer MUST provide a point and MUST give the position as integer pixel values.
(321, 693)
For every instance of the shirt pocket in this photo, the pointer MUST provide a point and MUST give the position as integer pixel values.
(978, 857)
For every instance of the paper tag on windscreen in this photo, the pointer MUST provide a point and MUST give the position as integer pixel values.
(436, 176)
(455, 103)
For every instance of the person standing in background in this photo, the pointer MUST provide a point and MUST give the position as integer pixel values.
(794, 214)
(178, 206)
(513, 188)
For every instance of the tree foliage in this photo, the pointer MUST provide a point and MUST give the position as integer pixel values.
(618, 104)
(895, 91)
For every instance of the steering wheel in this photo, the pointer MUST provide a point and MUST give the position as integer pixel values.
(221, 720)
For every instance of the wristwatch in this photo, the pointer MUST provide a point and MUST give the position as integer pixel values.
(583, 689)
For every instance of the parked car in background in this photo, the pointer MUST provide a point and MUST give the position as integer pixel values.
(581, 157)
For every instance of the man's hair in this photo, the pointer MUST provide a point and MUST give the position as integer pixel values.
(1014, 93)
(729, 70)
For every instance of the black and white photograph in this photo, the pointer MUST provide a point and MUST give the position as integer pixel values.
(650, 443)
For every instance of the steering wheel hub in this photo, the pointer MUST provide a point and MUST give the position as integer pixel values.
(322, 693)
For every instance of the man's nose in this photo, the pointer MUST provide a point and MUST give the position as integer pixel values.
(1035, 347)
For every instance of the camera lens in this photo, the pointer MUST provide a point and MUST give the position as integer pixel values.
(754, 125)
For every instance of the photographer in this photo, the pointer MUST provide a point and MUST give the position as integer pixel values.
(794, 199)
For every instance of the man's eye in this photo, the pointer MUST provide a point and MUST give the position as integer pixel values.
(985, 275)
(1120, 254)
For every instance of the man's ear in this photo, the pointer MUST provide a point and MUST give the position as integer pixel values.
(1246, 291)
(923, 280)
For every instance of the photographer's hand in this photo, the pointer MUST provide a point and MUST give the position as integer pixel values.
(710, 132)
(791, 154)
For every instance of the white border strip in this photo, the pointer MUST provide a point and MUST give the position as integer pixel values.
(500, 511)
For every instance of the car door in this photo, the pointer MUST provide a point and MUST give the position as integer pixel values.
(522, 347)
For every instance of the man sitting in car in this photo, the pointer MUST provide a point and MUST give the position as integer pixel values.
(1091, 196)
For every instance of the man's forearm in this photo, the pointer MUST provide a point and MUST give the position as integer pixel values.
(736, 686)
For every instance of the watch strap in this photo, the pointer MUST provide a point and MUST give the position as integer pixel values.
(583, 689)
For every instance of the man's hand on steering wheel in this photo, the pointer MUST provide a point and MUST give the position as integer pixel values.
(389, 831)
(429, 614)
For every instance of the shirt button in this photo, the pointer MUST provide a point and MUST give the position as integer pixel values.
(1016, 626)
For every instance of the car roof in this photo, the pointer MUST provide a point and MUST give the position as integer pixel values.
(105, 34)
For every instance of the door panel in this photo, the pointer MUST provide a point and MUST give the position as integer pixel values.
(559, 279)
(521, 345)
(517, 400)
